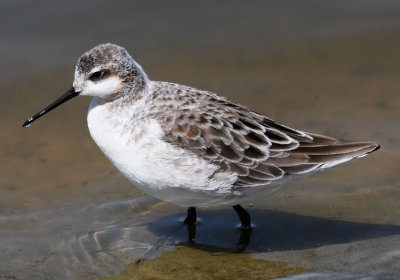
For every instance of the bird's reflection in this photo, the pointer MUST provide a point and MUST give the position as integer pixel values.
(272, 231)
(241, 244)
(219, 231)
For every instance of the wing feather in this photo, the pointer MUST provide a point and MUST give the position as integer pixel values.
(257, 149)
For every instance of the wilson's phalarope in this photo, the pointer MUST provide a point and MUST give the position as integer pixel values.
(192, 147)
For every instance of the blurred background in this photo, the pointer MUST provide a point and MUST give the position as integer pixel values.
(328, 67)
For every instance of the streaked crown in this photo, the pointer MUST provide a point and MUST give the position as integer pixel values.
(108, 71)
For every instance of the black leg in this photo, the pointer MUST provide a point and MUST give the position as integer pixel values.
(191, 217)
(190, 221)
(243, 216)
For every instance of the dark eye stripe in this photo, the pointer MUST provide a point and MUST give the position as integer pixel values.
(97, 75)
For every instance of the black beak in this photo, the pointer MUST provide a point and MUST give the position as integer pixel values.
(71, 93)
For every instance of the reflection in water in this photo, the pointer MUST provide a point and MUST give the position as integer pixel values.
(218, 232)
(273, 231)
(108, 236)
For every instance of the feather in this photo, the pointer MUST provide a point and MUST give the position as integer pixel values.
(255, 148)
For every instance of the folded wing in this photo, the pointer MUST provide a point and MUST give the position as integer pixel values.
(253, 146)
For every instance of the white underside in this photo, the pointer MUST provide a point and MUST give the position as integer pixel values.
(167, 172)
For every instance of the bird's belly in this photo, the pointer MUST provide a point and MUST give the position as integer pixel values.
(166, 173)
(157, 167)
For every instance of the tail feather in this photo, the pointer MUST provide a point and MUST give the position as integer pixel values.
(342, 147)
(323, 152)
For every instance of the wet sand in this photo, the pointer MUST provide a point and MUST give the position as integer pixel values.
(188, 263)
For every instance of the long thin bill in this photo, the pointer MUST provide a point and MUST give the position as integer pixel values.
(71, 93)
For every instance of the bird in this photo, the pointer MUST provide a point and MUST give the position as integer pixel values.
(191, 147)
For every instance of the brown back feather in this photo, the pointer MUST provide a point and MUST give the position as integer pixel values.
(248, 144)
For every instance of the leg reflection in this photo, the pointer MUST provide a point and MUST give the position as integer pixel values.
(244, 240)
(191, 233)
(241, 244)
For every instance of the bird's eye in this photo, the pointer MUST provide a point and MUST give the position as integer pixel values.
(97, 75)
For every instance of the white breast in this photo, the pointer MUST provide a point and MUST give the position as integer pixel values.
(137, 149)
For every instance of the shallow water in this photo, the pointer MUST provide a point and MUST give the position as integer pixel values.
(66, 213)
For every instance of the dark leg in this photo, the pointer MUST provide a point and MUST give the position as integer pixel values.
(243, 216)
(190, 221)
(191, 217)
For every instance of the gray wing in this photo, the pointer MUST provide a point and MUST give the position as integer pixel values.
(250, 145)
